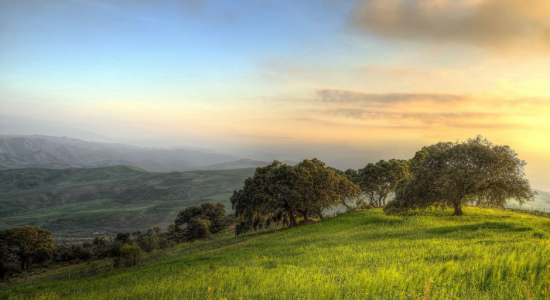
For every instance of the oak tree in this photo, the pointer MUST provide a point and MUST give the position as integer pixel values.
(379, 180)
(27, 244)
(279, 192)
(453, 174)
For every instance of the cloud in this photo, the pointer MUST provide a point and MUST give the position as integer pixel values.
(485, 23)
(346, 125)
(343, 96)
(261, 137)
(423, 110)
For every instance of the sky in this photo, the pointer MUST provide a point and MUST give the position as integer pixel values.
(338, 79)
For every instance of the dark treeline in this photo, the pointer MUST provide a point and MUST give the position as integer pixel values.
(281, 194)
(24, 247)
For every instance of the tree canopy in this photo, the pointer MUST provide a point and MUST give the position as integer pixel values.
(27, 244)
(202, 220)
(378, 180)
(452, 174)
(279, 192)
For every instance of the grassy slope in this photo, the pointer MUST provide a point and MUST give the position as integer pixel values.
(488, 254)
(80, 202)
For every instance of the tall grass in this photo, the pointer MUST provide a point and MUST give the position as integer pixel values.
(364, 255)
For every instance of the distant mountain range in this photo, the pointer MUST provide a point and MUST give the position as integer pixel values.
(39, 151)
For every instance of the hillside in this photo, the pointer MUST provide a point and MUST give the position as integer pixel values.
(487, 254)
(85, 202)
(37, 151)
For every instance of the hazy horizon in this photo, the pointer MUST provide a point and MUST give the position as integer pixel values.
(357, 79)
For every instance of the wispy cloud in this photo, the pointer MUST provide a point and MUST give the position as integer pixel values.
(261, 137)
(343, 96)
(420, 110)
(486, 23)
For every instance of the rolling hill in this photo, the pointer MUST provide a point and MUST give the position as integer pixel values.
(84, 202)
(487, 254)
(37, 151)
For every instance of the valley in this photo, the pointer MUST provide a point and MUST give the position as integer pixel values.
(87, 202)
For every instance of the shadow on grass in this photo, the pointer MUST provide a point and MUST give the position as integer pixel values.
(479, 226)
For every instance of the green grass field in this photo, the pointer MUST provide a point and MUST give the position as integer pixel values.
(487, 254)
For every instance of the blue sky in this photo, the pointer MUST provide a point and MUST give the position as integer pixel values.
(353, 78)
(150, 43)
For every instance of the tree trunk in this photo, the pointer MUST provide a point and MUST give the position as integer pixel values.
(292, 220)
(458, 210)
(306, 218)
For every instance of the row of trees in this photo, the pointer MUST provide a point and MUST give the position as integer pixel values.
(281, 193)
(447, 174)
(23, 247)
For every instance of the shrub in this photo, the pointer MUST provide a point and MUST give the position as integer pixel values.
(131, 254)
(198, 229)
(148, 242)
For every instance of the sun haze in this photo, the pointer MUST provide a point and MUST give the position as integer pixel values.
(366, 80)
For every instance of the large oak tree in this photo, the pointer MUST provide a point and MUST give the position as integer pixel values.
(280, 192)
(452, 174)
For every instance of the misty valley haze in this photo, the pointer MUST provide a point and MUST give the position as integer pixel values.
(39, 151)
(64, 152)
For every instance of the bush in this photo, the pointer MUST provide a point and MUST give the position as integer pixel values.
(64, 253)
(395, 207)
(8, 267)
(130, 254)
(213, 213)
(122, 237)
(118, 263)
(198, 229)
(148, 242)
(164, 243)
(97, 267)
